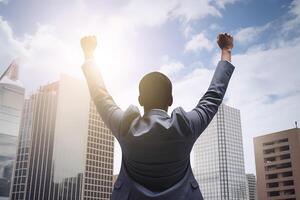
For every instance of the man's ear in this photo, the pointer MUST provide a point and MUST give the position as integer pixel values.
(141, 100)
(170, 101)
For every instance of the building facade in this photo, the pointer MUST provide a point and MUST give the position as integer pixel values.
(65, 152)
(8, 145)
(251, 182)
(219, 159)
(11, 103)
(277, 159)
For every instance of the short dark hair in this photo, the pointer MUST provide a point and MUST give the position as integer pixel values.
(155, 89)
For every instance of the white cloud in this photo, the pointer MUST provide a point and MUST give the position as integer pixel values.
(170, 67)
(189, 90)
(250, 34)
(4, 1)
(291, 24)
(43, 55)
(187, 30)
(294, 22)
(214, 27)
(199, 42)
(189, 10)
(222, 3)
(10, 46)
(272, 71)
(142, 13)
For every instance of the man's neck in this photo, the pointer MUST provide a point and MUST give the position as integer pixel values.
(148, 109)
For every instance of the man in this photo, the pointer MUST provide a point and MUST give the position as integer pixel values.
(156, 147)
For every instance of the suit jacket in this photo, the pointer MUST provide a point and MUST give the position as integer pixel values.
(156, 147)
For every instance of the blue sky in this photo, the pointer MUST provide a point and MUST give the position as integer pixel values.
(173, 36)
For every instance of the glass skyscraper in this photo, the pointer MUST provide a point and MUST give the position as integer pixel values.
(8, 145)
(11, 103)
(251, 181)
(65, 151)
(218, 158)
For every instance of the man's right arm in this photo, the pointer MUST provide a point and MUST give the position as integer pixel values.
(110, 113)
(208, 105)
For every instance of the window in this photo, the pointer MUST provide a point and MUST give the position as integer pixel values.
(289, 192)
(270, 159)
(268, 143)
(285, 156)
(272, 176)
(284, 148)
(288, 183)
(284, 165)
(287, 174)
(272, 185)
(271, 167)
(283, 140)
(268, 151)
(273, 193)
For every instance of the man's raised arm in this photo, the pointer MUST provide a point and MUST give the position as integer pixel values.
(208, 105)
(110, 113)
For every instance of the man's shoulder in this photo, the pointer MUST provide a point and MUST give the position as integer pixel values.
(180, 115)
(132, 109)
(131, 113)
(178, 111)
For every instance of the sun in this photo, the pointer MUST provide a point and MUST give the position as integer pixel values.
(114, 56)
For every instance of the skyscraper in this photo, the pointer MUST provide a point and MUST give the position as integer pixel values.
(11, 103)
(251, 182)
(218, 158)
(277, 160)
(8, 145)
(65, 152)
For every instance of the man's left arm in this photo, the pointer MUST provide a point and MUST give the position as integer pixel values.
(110, 113)
(207, 107)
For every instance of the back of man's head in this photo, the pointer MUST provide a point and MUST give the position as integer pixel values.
(155, 91)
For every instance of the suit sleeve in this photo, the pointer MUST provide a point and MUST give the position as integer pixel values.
(208, 105)
(110, 113)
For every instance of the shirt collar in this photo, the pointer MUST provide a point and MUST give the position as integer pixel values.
(156, 111)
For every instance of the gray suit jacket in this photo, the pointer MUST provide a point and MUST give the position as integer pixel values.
(156, 147)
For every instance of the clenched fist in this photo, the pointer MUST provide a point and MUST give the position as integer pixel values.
(88, 45)
(225, 41)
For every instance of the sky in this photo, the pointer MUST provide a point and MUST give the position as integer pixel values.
(176, 37)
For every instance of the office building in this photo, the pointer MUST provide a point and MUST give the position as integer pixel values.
(8, 145)
(65, 152)
(277, 159)
(219, 159)
(251, 182)
(11, 103)
(11, 100)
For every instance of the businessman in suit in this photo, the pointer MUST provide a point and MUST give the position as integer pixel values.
(156, 146)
